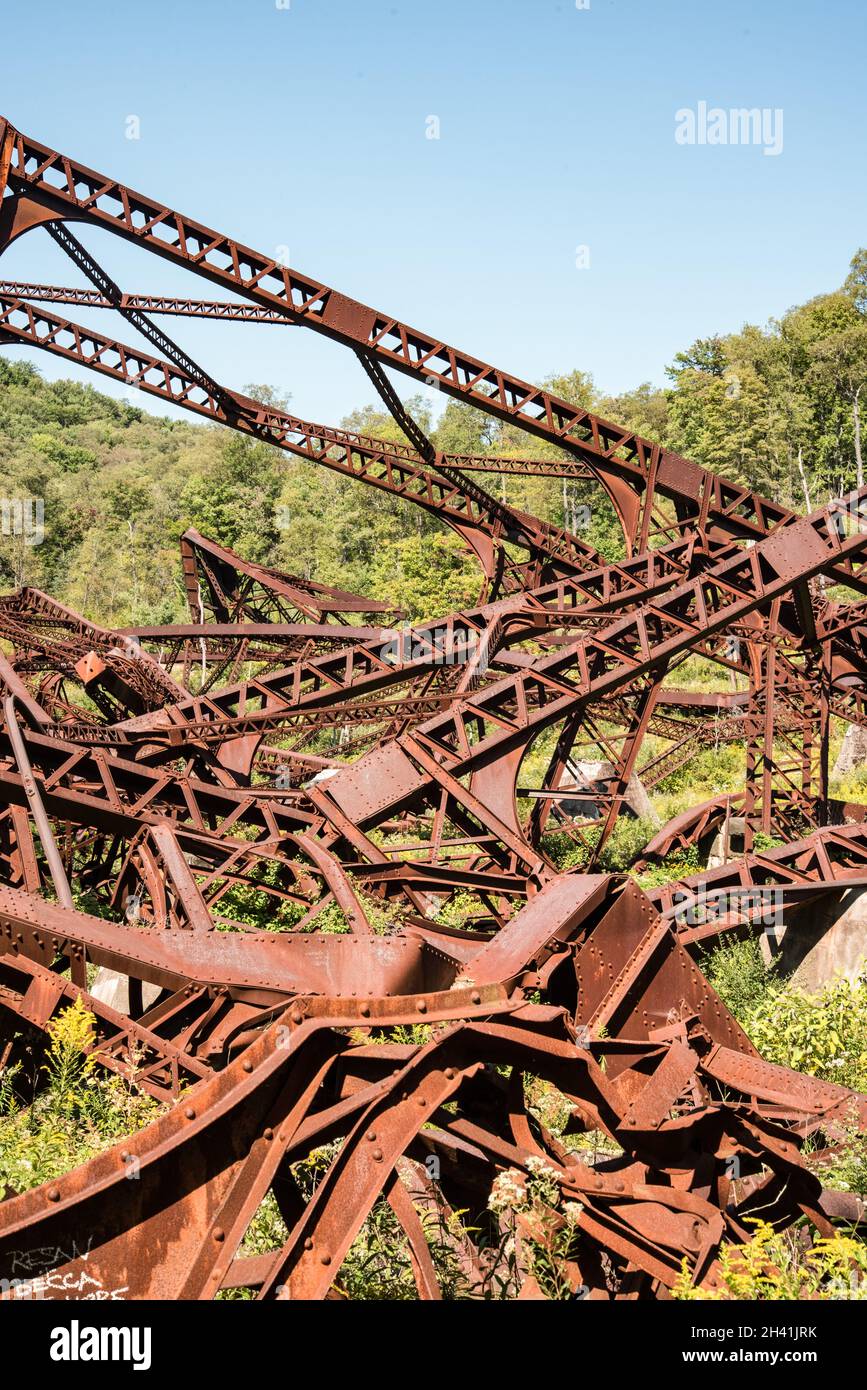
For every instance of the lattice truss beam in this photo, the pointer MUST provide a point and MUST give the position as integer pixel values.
(278, 812)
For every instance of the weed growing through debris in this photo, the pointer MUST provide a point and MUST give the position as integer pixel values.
(64, 1110)
(773, 1266)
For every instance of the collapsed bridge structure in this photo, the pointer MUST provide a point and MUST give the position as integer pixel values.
(292, 756)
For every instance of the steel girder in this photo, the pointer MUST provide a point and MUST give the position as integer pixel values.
(212, 854)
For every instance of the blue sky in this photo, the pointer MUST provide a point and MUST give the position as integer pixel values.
(306, 127)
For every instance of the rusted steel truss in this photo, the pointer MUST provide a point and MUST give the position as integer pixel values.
(263, 828)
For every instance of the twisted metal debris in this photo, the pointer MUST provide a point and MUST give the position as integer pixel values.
(412, 1047)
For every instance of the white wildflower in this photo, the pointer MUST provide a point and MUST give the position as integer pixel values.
(507, 1191)
(540, 1168)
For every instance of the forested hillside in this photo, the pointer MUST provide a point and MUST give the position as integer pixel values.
(777, 407)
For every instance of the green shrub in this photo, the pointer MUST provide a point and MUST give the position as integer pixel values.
(737, 971)
(79, 1112)
(823, 1032)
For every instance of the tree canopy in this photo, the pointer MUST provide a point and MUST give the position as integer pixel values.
(777, 407)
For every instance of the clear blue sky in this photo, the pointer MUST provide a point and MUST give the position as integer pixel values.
(305, 127)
